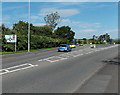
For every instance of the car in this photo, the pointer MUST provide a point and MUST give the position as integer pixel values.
(80, 44)
(73, 46)
(64, 47)
(92, 46)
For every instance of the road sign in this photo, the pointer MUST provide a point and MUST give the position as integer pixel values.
(11, 38)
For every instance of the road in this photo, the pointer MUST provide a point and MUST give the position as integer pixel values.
(54, 72)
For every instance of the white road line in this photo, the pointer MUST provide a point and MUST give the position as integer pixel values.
(40, 60)
(48, 59)
(61, 57)
(17, 66)
(78, 55)
(6, 70)
(3, 73)
(23, 68)
(51, 61)
(31, 65)
(51, 57)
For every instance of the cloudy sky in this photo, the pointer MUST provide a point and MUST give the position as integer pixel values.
(85, 18)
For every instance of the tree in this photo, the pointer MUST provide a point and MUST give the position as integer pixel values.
(64, 32)
(107, 37)
(21, 27)
(52, 19)
(42, 30)
(104, 37)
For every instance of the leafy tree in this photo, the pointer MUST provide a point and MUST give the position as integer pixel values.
(21, 27)
(42, 30)
(104, 37)
(64, 32)
(52, 19)
(107, 37)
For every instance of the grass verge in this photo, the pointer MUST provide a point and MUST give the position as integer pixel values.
(22, 51)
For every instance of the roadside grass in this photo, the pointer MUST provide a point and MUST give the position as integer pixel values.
(22, 51)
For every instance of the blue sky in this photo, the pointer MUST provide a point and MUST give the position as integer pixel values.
(85, 18)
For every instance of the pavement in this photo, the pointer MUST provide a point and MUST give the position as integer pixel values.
(104, 81)
(53, 72)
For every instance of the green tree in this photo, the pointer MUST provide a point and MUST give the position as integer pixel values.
(42, 30)
(104, 37)
(107, 37)
(64, 32)
(21, 27)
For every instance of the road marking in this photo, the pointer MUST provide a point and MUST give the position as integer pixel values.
(3, 71)
(15, 68)
(40, 60)
(78, 55)
(54, 60)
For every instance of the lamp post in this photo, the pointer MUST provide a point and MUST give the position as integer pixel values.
(29, 26)
(66, 38)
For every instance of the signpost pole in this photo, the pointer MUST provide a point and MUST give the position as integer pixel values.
(15, 46)
(15, 37)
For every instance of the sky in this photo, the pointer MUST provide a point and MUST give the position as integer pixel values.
(85, 18)
(60, 0)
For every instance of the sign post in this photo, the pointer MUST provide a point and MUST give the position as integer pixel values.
(11, 39)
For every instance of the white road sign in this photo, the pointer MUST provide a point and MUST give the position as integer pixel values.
(11, 38)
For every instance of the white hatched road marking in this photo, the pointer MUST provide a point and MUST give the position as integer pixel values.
(78, 55)
(7, 70)
(49, 59)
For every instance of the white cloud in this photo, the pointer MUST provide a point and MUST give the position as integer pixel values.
(88, 30)
(35, 17)
(80, 24)
(39, 24)
(87, 25)
(88, 33)
(62, 12)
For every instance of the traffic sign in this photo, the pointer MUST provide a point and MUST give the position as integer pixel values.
(11, 38)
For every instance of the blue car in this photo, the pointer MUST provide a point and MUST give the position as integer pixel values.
(64, 47)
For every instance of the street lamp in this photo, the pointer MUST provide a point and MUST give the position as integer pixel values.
(29, 26)
(66, 37)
